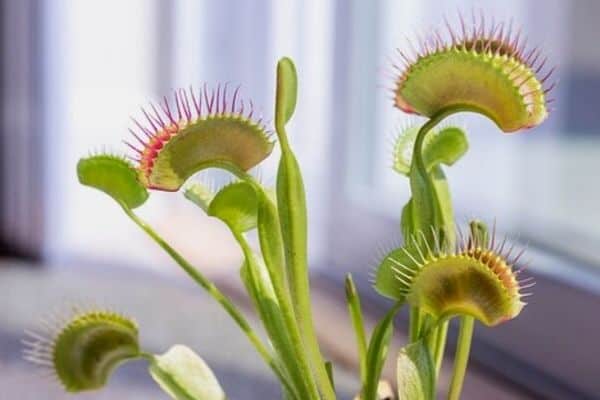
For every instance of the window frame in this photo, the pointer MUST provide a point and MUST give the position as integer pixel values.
(21, 142)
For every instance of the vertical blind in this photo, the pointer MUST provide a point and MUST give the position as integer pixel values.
(99, 77)
(22, 134)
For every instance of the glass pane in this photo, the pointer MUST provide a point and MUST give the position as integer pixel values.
(98, 78)
(540, 183)
(540, 186)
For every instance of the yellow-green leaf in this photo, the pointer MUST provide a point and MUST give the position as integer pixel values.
(415, 373)
(185, 376)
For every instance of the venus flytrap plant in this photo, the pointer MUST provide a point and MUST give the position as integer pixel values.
(291, 202)
(439, 272)
(83, 350)
(210, 129)
(489, 71)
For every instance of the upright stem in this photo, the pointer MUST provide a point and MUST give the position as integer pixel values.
(377, 351)
(461, 358)
(414, 324)
(212, 290)
(356, 317)
(291, 201)
(296, 257)
(440, 346)
(428, 126)
(416, 319)
(301, 362)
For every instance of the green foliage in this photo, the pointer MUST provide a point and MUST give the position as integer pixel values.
(199, 194)
(479, 234)
(237, 205)
(83, 351)
(377, 353)
(467, 284)
(228, 142)
(291, 205)
(287, 91)
(444, 146)
(416, 372)
(185, 376)
(468, 80)
(386, 282)
(356, 316)
(114, 176)
(436, 276)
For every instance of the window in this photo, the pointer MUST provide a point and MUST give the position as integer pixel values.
(97, 77)
(540, 185)
(99, 61)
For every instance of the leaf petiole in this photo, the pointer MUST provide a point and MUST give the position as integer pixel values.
(461, 358)
(356, 315)
(212, 290)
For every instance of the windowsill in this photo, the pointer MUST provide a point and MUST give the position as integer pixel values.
(168, 311)
(31, 292)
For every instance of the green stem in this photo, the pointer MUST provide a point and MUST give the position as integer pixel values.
(212, 290)
(414, 324)
(440, 346)
(432, 214)
(428, 126)
(428, 213)
(377, 352)
(296, 257)
(290, 324)
(310, 340)
(356, 315)
(291, 201)
(431, 337)
(424, 201)
(461, 358)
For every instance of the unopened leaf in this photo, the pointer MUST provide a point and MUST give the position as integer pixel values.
(185, 376)
(415, 373)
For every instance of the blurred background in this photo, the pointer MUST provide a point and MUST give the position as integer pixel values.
(74, 72)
